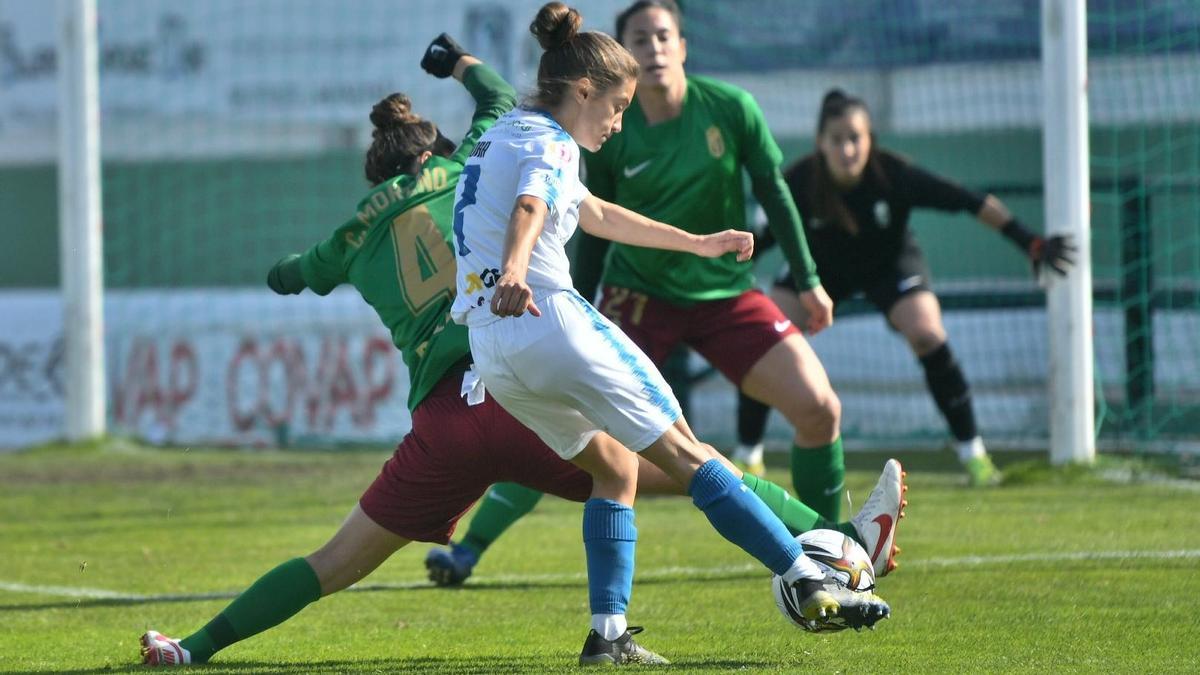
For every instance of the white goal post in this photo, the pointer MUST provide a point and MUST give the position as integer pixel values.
(80, 243)
(1067, 198)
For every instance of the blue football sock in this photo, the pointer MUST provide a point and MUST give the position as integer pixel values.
(742, 518)
(609, 539)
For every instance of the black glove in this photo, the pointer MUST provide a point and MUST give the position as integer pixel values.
(1053, 252)
(285, 277)
(441, 55)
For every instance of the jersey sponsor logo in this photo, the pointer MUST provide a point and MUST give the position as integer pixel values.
(781, 326)
(631, 171)
(486, 278)
(716, 142)
(481, 149)
(883, 214)
(909, 283)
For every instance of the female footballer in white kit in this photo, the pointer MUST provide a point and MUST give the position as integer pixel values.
(559, 366)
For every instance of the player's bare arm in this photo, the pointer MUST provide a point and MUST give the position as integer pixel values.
(513, 295)
(609, 221)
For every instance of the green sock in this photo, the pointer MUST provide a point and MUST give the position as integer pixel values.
(795, 514)
(819, 474)
(503, 505)
(273, 599)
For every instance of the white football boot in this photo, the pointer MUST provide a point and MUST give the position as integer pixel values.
(160, 650)
(877, 520)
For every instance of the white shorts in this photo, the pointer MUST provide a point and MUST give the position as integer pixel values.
(570, 374)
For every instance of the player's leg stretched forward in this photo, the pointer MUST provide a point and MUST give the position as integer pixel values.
(419, 495)
(506, 503)
(742, 517)
(358, 547)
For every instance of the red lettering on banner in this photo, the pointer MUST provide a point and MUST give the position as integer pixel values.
(182, 379)
(378, 356)
(342, 392)
(242, 416)
(140, 388)
(275, 386)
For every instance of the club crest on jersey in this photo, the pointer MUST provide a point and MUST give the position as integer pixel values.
(559, 153)
(883, 213)
(716, 142)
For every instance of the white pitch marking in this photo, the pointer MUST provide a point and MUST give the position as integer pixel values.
(660, 573)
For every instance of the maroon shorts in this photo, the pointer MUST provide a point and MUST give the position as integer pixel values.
(732, 334)
(451, 456)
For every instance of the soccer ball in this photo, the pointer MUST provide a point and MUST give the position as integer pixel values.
(836, 554)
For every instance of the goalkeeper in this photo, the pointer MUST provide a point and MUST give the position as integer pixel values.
(856, 199)
(397, 252)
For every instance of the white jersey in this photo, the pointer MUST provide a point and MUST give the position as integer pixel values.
(524, 153)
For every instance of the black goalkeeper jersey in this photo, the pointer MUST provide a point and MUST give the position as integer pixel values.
(880, 204)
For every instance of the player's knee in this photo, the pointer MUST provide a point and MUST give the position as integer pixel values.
(679, 456)
(926, 340)
(329, 564)
(817, 418)
(616, 476)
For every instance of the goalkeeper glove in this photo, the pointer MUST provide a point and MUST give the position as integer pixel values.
(285, 277)
(1053, 252)
(441, 55)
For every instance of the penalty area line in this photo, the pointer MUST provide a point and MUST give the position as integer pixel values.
(655, 574)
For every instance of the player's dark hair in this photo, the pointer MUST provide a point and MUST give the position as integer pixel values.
(828, 203)
(399, 138)
(670, 6)
(571, 55)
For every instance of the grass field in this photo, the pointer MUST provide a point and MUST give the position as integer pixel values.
(1058, 573)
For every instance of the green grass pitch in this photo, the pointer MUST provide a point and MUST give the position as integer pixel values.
(1065, 573)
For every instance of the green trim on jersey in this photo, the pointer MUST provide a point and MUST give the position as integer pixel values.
(687, 172)
(398, 249)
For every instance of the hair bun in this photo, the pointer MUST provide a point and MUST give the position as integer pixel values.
(835, 95)
(393, 111)
(555, 25)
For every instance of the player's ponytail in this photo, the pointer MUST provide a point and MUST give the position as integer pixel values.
(571, 55)
(398, 139)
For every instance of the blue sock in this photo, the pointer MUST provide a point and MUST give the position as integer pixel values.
(609, 538)
(742, 518)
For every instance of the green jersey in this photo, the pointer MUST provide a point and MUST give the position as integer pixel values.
(397, 249)
(687, 172)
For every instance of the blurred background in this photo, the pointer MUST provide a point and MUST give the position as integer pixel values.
(233, 133)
